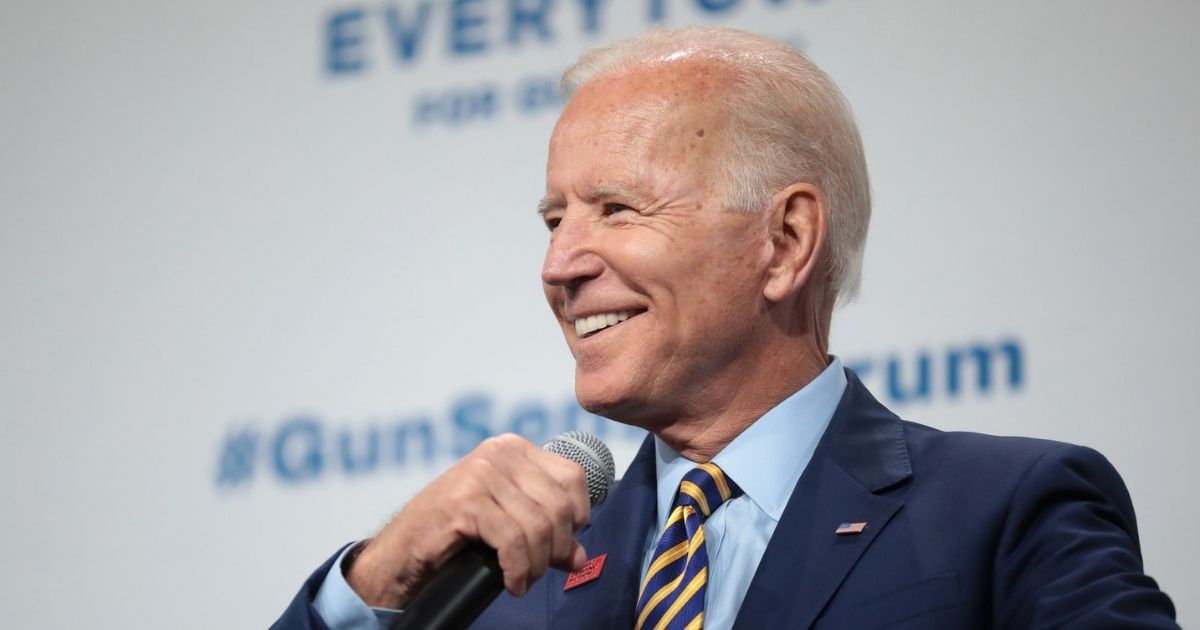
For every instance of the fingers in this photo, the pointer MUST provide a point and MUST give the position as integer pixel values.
(519, 500)
(570, 477)
(520, 531)
(556, 485)
(545, 495)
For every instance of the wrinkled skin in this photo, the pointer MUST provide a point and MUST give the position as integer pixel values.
(723, 323)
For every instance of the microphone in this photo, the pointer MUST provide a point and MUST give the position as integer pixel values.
(471, 579)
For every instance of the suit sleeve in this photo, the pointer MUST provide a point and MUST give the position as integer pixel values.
(301, 614)
(1069, 555)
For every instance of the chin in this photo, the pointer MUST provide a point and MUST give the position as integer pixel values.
(603, 399)
(596, 402)
(618, 403)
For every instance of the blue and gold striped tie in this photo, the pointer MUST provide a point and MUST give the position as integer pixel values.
(672, 596)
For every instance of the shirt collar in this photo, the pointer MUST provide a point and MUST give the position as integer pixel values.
(767, 459)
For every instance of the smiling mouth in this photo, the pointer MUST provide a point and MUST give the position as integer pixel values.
(592, 324)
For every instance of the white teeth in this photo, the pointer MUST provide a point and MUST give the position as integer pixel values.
(587, 325)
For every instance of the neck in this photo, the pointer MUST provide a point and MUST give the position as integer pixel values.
(723, 410)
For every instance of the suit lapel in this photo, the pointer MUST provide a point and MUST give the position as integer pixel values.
(862, 453)
(618, 528)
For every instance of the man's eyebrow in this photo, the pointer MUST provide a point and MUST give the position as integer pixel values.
(609, 191)
(549, 204)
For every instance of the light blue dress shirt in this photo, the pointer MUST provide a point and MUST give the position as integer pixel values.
(342, 609)
(766, 460)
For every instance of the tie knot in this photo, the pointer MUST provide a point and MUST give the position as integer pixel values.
(705, 488)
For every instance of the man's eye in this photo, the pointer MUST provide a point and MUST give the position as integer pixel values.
(552, 222)
(614, 208)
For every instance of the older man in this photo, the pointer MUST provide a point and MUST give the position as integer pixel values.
(707, 202)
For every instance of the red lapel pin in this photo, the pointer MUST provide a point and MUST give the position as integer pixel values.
(590, 571)
(850, 529)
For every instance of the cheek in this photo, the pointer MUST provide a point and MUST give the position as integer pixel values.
(745, 258)
(644, 261)
(730, 262)
(643, 250)
(729, 284)
(706, 270)
(553, 295)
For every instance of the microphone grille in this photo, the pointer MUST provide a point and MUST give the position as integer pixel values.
(592, 455)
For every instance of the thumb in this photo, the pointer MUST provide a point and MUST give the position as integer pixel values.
(578, 556)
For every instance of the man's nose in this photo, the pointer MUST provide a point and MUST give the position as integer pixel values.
(572, 257)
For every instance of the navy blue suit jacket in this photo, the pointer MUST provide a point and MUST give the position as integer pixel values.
(963, 531)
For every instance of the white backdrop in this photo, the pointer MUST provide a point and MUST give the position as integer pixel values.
(262, 275)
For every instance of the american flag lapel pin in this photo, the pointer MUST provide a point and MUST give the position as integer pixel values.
(850, 529)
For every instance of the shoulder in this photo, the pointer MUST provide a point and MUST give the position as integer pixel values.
(1017, 459)
(1059, 523)
(1015, 481)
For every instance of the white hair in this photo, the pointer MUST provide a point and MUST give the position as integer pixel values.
(788, 122)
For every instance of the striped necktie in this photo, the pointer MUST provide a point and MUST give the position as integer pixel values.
(672, 596)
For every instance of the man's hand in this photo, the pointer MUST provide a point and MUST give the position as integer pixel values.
(518, 499)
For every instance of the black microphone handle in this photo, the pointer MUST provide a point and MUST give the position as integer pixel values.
(459, 591)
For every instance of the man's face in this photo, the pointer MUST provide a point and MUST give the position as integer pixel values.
(657, 287)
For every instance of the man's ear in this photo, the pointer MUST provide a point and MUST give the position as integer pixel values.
(799, 221)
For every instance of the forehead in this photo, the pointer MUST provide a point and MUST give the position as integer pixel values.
(661, 116)
(654, 97)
